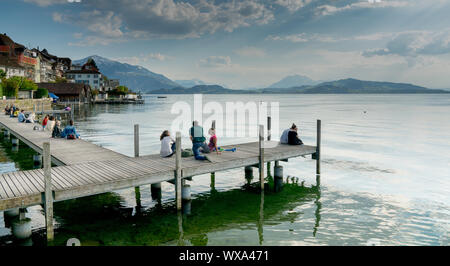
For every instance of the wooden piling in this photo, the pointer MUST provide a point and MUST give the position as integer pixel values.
(137, 190)
(136, 140)
(319, 131)
(48, 194)
(178, 171)
(261, 155)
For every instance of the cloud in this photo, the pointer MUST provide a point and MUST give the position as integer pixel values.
(324, 38)
(325, 10)
(169, 19)
(143, 58)
(415, 43)
(215, 62)
(250, 51)
(293, 5)
(304, 37)
(46, 2)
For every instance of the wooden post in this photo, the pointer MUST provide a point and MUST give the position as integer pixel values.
(269, 128)
(178, 171)
(137, 190)
(136, 140)
(48, 204)
(319, 129)
(261, 155)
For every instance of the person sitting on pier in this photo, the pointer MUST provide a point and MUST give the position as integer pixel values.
(31, 118)
(213, 143)
(21, 117)
(168, 145)
(198, 142)
(50, 123)
(16, 112)
(70, 132)
(8, 109)
(293, 138)
(56, 133)
(44, 122)
(12, 111)
(284, 136)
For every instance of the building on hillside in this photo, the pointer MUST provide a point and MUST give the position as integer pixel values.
(110, 84)
(69, 92)
(88, 74)
(51, 66)
(16, 59)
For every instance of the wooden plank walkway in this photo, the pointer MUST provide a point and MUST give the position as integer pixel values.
(63, 152)
(87, 169)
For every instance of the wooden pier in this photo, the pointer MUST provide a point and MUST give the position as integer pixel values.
(85, 169)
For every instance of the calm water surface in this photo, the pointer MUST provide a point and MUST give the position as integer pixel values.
(385, 179)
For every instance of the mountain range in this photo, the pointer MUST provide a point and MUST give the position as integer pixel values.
(343, 86)
(138, 78)
(294, 81)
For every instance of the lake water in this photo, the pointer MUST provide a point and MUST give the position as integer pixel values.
(385, 179)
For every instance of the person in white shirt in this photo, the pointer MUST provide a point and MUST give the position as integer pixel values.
(167, 144)
(50, 124)
(31, 118)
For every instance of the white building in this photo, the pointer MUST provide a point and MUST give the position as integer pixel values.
(86, 76)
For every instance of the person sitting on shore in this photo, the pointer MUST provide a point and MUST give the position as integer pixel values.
(21, 116)
(198, 142)
(213, 143)
(70, 132)
(293, 138)
(50, 123)
(31, 118)
(56, 133)
(168, 145)
(44, 122)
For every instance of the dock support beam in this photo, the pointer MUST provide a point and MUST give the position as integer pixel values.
(48, 194)
(319, 132)
(6, 134)
(178, 171)
(278, 178)
(137, 190)
(261, 155)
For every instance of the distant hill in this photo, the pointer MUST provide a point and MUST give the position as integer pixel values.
(344, 86)
(136, 78)
(294, 81)
(206, 89)
(190, 83)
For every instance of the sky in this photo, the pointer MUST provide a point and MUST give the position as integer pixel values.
(246, 44)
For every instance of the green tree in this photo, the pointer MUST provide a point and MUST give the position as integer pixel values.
(12, 85)
(41, 93)
(2, 74)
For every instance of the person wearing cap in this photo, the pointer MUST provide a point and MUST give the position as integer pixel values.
(293, 138)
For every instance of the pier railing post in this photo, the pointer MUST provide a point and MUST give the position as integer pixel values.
(137, 190)
(319, 132)
(178, 171)
(48, 194)
(261, 155)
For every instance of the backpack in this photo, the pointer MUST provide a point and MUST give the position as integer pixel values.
(71, 136)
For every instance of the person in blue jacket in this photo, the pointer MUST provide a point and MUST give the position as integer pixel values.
(21, 116)
(70, 132)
